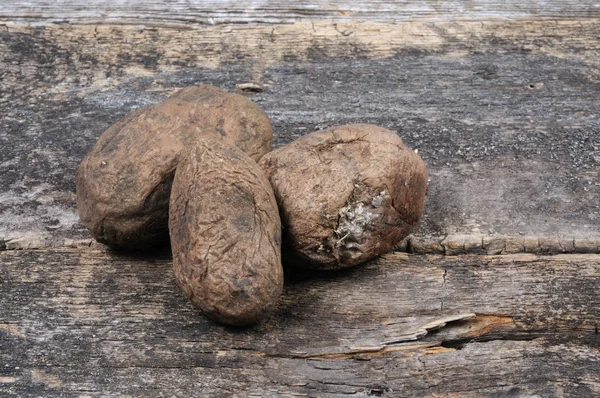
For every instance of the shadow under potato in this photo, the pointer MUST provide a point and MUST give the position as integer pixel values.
(294, 272)
(291, 307)
(158, 252)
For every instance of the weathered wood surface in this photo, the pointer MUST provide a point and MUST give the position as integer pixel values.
(500, 98)
(284, 11)
(504, 112)
(97, 323)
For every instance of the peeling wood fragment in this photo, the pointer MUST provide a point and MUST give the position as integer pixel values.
(486, 324)
(438, 350)
(514, 245)
(440, 323)
(430, 326)
(250, 87)
(418, 245)
(494, 245)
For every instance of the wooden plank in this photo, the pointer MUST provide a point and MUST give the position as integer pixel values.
(101, 323)
(504, 113)
(285, 11)
(500, 98)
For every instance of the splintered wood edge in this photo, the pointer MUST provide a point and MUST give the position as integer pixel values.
(448, 245)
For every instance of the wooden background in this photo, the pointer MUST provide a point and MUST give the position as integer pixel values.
(500, 98)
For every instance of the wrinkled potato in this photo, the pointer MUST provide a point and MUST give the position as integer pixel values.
(225, 234)
(346, 194)
(123, 184)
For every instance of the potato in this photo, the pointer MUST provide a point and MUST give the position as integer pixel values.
(346, 194)
(225, 234)
(123, 184)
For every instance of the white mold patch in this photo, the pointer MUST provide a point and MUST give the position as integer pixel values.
(379, 199)
(355, 219)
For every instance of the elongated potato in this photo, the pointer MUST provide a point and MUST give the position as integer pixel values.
(346, 194)
(123, 184)
(225, 234)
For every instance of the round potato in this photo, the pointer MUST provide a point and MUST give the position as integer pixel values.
(346, 194)
(123, 184)
(225, 234)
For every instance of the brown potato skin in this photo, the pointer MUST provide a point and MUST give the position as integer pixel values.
(123, 184)
(346, 194)
(225, 234)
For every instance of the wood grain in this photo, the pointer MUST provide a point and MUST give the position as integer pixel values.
(503, 112)
(501, 100)
(285, 11)
(102, 323)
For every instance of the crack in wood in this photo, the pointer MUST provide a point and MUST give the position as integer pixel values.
(477, 329)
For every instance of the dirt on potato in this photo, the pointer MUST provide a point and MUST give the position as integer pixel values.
(123, 184)
(346, 194)
(225, 234)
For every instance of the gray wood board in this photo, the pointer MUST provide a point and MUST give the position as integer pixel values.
(101, 323)
(505, 114)
(284, 11)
